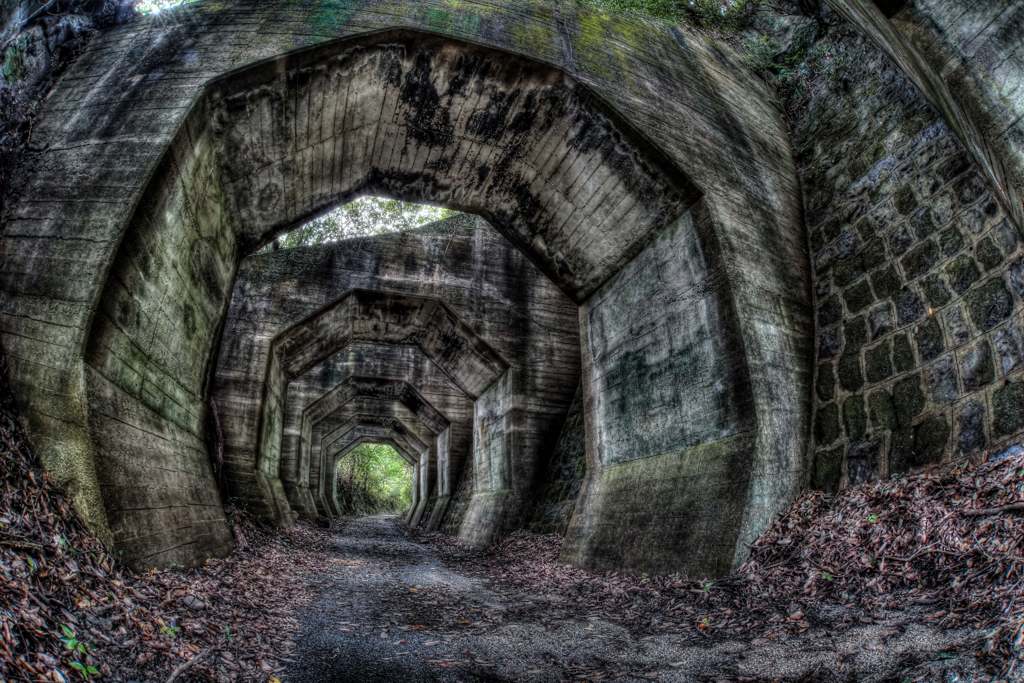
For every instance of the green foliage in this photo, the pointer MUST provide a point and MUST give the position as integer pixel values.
(71, 642)
(171, 631)
(12, 66)
(364, 217)
(79, 650)
(374, 478)
(725, 15)
(796, 70)
(154, 6)
(86, 671)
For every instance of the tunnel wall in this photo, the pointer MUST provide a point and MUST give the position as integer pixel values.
(917, 270)
(669, 420)
(689, 98)
(148, 360)
(464, 262)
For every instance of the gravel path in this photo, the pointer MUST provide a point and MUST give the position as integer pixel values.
(387, 609)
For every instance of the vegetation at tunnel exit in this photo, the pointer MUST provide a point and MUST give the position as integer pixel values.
(716, 14)
(719, 14)
(154, 6)
(363, 217)
(373, 478)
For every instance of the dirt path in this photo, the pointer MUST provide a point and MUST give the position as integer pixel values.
(387, 609)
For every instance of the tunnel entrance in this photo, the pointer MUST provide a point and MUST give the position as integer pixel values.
(631, 284)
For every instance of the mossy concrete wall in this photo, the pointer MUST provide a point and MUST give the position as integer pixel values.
(645, 121)
(669, 414)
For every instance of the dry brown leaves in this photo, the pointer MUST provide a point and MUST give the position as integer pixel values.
(949, 542)
(67, 612)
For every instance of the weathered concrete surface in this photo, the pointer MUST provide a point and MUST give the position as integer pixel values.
(966, 58)
(669, 413)
(309, 396)
(495, 298)
(153, 152)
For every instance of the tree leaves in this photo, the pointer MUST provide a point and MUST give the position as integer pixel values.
(363, 217)
(374, 478)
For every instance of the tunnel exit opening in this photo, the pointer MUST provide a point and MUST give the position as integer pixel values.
(373, 478)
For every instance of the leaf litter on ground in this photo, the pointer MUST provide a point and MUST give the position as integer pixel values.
(943, 546)
(946, 544)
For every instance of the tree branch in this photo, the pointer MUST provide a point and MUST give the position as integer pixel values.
(983, 512)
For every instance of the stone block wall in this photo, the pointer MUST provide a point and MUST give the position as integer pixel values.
(919, 278)
(966, 58)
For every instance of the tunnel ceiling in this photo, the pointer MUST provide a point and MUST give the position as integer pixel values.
(376, 388)
(373, 316)
(421, 117)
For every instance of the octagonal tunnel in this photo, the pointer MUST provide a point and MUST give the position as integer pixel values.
(374, 477)
(590, 212)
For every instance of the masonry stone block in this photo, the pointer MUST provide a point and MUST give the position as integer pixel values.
(881, 320)
(930, 343)
(941, 378)
(825, 385)
(958, 329)
(862, 458)
(886, 282)
(828, 469)
(909, 399)
(988, 254)
(962, 272)
(976, 366)
(1009, 344)
(989, 304)
(971, 436)
(902, 353)
(1008, 409)
(854, 416)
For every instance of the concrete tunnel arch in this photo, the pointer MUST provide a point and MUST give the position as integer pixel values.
(359, 316)
(462, 261)
(402, 431)
(398, 391)
(129, 326)
(364, 439)
(407, 364)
